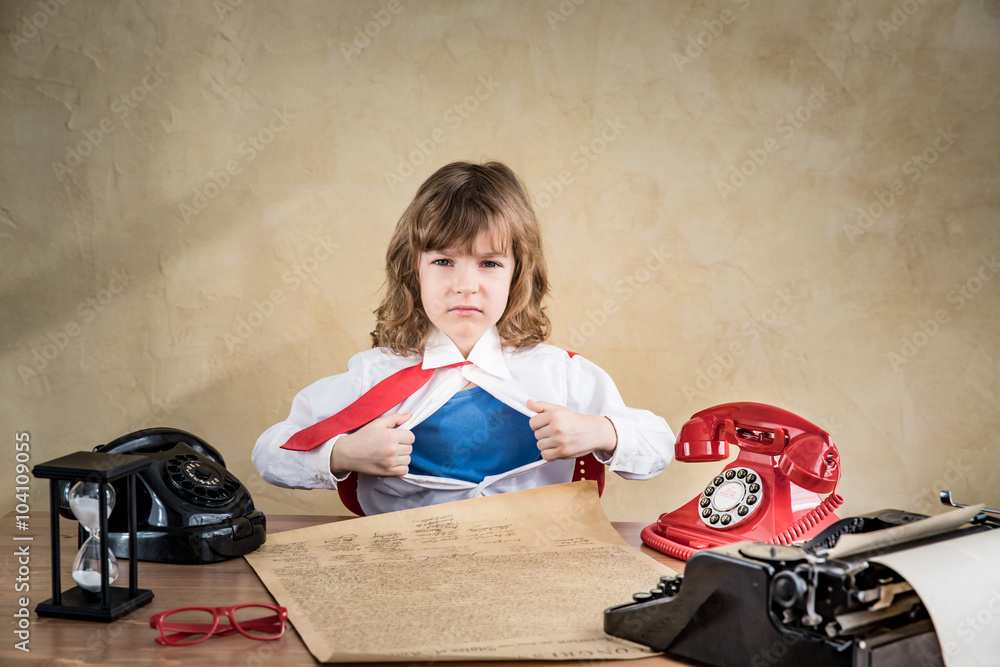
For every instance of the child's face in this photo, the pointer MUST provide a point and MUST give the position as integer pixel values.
(464, 295)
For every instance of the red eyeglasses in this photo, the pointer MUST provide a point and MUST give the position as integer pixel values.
(191, 625)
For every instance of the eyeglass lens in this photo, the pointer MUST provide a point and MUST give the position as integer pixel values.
(189, 626)
(259, 622)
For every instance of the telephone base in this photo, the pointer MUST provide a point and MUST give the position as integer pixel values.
(189, 545)
(670, 535)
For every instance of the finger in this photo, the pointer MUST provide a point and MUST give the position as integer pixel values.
(539, 421)
(543, 432)
(393, 420)
(545, 444)
(547, 450)
(539, 406)
(404, 436)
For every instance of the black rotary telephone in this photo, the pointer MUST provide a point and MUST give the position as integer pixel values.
(190, 509)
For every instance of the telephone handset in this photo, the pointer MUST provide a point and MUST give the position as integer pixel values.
(190, 509)
(751, 498)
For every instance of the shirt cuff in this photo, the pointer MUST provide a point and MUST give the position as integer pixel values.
(317, 466)
(625, 431)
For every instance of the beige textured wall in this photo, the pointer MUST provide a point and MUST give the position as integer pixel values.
(787, 202)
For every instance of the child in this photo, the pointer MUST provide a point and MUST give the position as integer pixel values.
(483, 405)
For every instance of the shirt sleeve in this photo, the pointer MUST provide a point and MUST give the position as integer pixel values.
(645, 441)
(308, 470)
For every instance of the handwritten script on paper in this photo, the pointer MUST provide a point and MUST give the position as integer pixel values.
(517, 576)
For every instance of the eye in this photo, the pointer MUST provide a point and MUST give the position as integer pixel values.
(441, 262)
(489, 264)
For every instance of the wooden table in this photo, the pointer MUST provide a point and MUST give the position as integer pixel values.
(130, 640)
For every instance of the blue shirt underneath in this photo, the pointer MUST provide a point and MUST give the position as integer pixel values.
(472, 436)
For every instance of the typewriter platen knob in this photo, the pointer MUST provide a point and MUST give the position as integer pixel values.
(787, 589)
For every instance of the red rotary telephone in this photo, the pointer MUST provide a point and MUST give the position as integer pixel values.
(751, 498)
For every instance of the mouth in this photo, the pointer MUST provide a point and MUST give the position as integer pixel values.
(465, 311)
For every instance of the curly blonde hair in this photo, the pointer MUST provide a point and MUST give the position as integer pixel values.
(451, 210)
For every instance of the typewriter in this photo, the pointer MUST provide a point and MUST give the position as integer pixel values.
(760, 605)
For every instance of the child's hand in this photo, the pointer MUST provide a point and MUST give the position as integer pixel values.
(377, 448)
(566, 434)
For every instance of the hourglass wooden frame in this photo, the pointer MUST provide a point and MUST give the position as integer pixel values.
(112, 602)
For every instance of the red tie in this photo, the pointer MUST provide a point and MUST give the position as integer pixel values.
(391, 391)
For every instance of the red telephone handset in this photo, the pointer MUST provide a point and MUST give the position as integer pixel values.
(751, 498)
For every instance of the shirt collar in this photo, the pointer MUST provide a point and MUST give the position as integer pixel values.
(486, 354)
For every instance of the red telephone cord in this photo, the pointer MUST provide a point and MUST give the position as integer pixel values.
(813, 517)
(665, 544)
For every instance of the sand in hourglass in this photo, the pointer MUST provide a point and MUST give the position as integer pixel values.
(87, 564)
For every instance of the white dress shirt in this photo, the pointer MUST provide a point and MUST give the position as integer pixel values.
(540, 372)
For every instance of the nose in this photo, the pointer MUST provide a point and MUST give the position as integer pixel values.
(465, 281)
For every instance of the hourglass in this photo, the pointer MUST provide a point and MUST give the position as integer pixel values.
(85, 502)
(91, 499)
